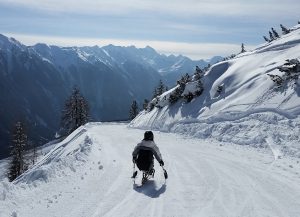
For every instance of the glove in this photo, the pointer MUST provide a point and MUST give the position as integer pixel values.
(161, 163)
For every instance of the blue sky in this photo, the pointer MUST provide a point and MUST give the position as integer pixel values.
(195, 28)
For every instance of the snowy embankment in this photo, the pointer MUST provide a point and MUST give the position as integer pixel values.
(88, 174)
(250, 110)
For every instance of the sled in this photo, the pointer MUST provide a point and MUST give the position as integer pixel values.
(146, 175)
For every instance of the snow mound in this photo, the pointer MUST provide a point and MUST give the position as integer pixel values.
(239, 103)
(67, 155)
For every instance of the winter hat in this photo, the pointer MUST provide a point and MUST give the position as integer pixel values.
(148, 136)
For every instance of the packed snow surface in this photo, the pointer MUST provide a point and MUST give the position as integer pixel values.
(88, 174)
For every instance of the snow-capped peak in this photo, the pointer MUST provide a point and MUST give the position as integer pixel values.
(7, 43)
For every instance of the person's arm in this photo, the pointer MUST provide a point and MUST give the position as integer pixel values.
(135, 152)
(157, 154)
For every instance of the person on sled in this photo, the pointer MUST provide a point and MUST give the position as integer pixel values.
(142, 156)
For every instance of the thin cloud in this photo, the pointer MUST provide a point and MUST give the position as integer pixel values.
(189, 8)
(196, 28)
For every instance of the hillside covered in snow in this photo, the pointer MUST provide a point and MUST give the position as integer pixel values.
(240, 102)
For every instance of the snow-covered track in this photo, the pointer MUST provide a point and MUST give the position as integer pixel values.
(206, 178)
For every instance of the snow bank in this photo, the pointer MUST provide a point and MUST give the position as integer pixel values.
(66, 156)
(254, 130)
(250, 107)
(69, 163)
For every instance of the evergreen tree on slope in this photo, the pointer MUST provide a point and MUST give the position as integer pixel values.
(243, 48)
(160, 88)
(134, 110)
(271, 36)
(275, 33)
(145, 104)
(19, 142)
(76, 111)
(198, 74)
(266, 39)
(284, 30)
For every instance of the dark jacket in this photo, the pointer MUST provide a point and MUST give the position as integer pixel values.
(147, 145)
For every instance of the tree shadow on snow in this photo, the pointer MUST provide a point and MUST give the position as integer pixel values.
(149, 189)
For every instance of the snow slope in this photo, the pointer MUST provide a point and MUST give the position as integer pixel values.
(88, 174)
(250, 110)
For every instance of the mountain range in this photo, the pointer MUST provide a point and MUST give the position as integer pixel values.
(36, 80)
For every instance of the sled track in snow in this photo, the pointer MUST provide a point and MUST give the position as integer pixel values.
(205, 179)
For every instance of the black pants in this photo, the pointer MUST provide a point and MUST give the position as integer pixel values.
(145, 165)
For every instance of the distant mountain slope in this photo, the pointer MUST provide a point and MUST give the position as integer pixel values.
(36, 80)
(169, 67)
(249, 105)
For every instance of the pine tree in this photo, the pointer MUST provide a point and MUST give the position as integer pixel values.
(284, 30)
(220, 89)
(155, 94)
(200, 88)
(266, 39)
(291, 71)
(174, 97)
(184, 79)
(198, 74)
(275, 33)
(160, 88)
(19, 142)
(276, 79)
(145, 104)
(134, 110)
(151, 106)
(188, 97)
(243, 48)
(76, 111)
(187, 78)
(177, 94)
(33, 154)
(271, 36)
(208, 66)
(198, 70)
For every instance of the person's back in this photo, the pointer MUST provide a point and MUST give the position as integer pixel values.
(144, 159)
(144, 151)
(142, 156)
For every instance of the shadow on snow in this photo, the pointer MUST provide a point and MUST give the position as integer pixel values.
(149, 189)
